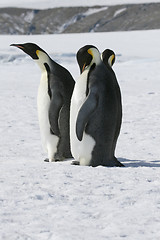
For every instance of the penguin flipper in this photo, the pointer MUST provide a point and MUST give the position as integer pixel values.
(85, 112)
(54, 110)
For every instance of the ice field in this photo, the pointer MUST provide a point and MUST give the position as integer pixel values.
(58, 200)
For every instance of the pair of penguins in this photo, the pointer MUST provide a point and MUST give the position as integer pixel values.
(83, 118)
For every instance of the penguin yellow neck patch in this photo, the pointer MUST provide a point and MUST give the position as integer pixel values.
(111, 60)
(37, 52)
(90, 52)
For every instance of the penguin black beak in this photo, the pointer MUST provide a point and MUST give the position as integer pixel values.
(17, 45)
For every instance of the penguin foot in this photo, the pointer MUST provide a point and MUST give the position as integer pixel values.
(46, 160)
(118, 164)
(112, 163)
(75, 162)
(58, 160)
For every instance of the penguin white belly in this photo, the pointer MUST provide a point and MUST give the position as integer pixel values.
(81, 150)
(49, 141)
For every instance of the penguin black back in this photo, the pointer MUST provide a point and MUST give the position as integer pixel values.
(108, 57)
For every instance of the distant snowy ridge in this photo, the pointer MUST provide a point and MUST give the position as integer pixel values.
(79, 16)
(119, 11)
(80, 19)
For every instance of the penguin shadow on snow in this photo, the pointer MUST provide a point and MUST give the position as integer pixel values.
(128, 163)
(139, 163)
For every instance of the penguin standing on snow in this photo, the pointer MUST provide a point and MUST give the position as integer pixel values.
(54, 95)
(108, 57)
(94, 111)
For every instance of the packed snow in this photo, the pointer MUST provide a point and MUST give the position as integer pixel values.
(44, 4)
(119, 11)
(57, 201)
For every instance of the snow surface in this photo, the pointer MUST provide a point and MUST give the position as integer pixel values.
(57, 201)
(44, 4)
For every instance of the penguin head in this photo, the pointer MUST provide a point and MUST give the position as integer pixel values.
(108, 57)
(31, 49)
(37, 53)
(87, 56)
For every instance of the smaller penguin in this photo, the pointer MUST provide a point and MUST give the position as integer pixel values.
(94, 111)
(108, 57)
(53, 102)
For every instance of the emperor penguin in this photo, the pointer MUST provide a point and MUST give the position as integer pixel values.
(108, 57)
(53, 102)
(94, 111)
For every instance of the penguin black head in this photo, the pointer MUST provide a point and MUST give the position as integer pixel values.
(31, 49)
(108, 57)
(85, 56)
